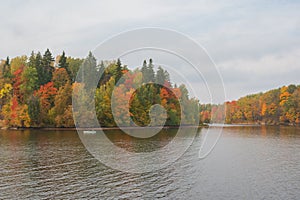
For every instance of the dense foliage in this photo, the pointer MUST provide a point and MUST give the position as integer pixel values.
(36, 91)
(278, 106)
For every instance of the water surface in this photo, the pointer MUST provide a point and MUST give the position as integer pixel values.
(248, 163)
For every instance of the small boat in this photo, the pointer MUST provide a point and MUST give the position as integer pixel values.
(89, 132)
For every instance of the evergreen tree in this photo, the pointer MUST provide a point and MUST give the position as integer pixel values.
(43, 66)
(101, 71)
(7, 61)
(6, 71)
(151, 74)
(46, 68)
(88, 73)
(144, 70)
(160, 76)
(148, 72)
(118, 70)
(62, 63)
(32, 60)
(38, 66)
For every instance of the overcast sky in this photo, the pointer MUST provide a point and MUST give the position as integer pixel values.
(255, 44)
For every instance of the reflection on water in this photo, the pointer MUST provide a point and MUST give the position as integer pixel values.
(248, 163)
(139, 155)
(142, 144)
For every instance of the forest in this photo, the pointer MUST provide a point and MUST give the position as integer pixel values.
(36, 91)
(274, 107)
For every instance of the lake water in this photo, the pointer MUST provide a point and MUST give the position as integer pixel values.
(247, 163)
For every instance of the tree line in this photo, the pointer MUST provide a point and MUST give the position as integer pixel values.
(36, 91)
(277, 106)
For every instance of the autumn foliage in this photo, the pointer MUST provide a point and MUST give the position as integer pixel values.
(37, 91)
(278, 106)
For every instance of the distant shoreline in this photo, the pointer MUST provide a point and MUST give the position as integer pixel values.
(137, 128)
(98, 128)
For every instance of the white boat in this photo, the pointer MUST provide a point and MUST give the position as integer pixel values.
(89, 132)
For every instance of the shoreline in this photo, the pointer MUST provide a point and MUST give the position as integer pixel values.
(138, 128)
(98, 128)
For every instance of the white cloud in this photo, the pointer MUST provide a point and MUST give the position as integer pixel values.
(244, 76)
(267, 65)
